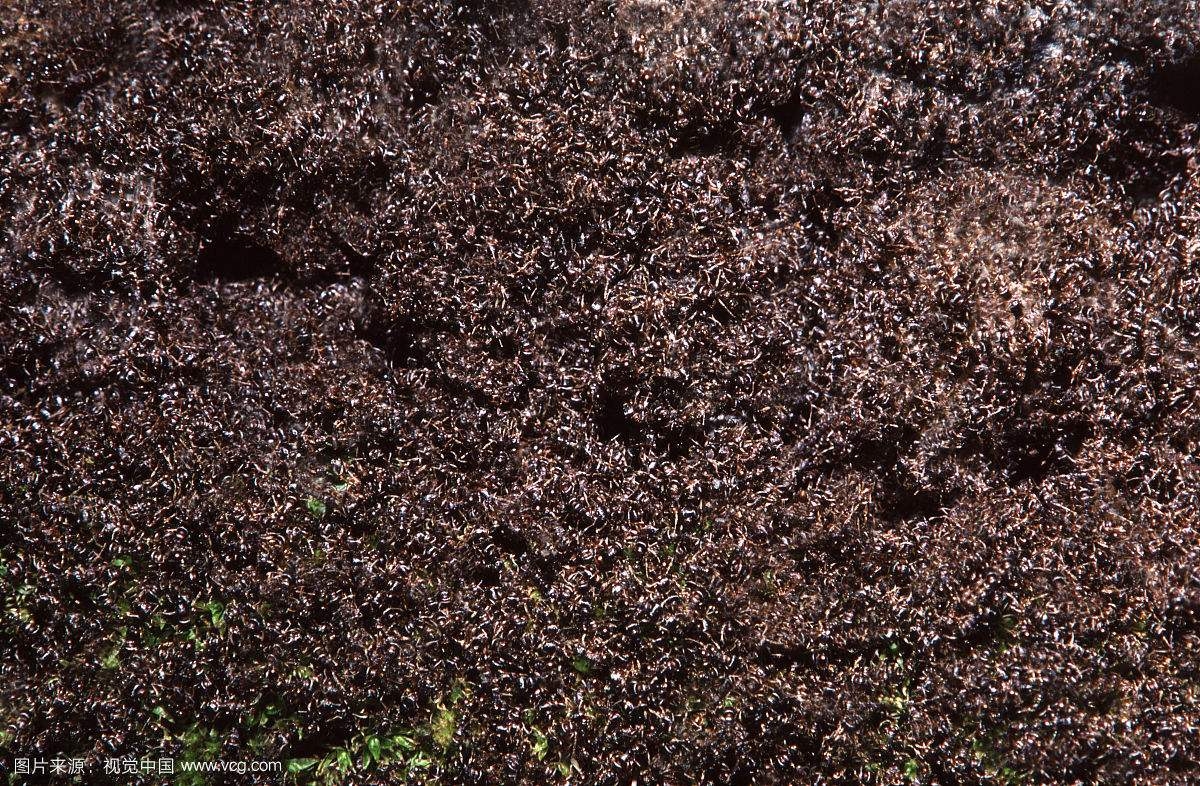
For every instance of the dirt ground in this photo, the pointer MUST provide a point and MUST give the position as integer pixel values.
(576, 392)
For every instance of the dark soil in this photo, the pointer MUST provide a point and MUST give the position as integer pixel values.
(558, 391)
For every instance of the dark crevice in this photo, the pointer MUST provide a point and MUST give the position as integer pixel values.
(701, 139)
(660, 436)
(486, 574)
(235, 258)
(1177, 86)
(403, 341)
(510, 540)
(819, 209)
(882, 453)
(423, 91)
(993, 628)
(1182, 617)
(462, 389)
(21, 368)
(783, 656)
(788, 116)
(503, 346)
(1033, 452)
(921, 76)
(357, 264)
(610, 418)
(74, 283)
(716, 308)
(321, 741)
(935, 149)
(1143, 174)
(800, 419)
(1182, 762)
(905, 501)
(406, 351)
(676, 442)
